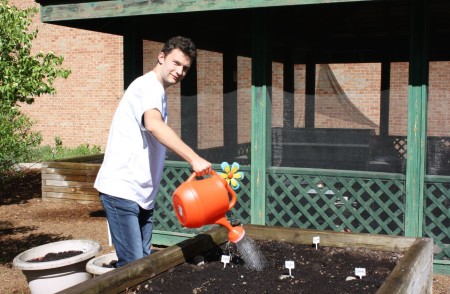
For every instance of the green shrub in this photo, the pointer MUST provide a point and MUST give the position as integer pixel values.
(23, 77)
(16, 138)
(48, 153)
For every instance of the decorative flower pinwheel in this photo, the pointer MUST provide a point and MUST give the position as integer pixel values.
(231, 174)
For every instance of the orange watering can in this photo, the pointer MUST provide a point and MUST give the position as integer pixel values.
(202, 202)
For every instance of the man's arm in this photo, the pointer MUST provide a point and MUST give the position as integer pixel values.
(167, 136)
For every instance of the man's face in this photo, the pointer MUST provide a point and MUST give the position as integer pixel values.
(174, 66)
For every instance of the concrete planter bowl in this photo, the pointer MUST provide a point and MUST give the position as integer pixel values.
(53, 276)
(96, 266)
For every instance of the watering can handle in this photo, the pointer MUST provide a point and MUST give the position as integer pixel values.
(230, 190)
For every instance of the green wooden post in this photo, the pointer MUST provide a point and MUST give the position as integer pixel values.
(261, 150)
(310, 94)
(417, 119)
(189, 108)
(133, 61)
(230, 104)
(385, 93)
(288, 91)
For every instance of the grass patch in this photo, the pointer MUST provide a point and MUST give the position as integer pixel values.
(48, 153)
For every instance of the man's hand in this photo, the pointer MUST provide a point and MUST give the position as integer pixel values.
(201, 167)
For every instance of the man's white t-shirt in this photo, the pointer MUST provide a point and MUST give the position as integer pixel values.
(134, 159)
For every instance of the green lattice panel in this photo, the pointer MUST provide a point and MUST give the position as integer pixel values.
(437, 214)
(164, 216)
(241, 211)
(336, 200)
(400, 146)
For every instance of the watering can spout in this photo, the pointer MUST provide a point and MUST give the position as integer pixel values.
(235, 234)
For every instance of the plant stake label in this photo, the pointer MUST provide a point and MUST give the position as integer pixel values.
(289, 264)
(316, 240)
(225, 259)
(360, 272)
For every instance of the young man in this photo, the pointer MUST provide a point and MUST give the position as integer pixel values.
(130, 175)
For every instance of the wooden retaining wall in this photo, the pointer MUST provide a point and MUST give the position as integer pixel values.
(71, 179)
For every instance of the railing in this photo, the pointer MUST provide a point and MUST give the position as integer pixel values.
(336, 200)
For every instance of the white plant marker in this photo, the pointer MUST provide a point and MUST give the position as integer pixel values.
(360, 272)
(316, 240)
(289, 264)
(225, 259)
(109, 234)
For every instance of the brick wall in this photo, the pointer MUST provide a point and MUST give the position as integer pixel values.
(83, 107)
(398, 113)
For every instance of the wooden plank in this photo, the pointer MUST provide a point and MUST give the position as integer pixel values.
(78, 189)
(441, 267)
(413, 274)
(73, 178)
(84, 159)
(169, 238)
(51, 12)
(69, 171)
(71, 165)
(53, 196)
(77, 184)
(330, 238)
(72, 196)
(120, 279)
(336, 173)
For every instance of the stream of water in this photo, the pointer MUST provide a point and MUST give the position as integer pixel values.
(250, 253)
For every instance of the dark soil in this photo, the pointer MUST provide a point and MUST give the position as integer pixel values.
(56, 256)
(21, 188)
(322, 270)
(111, 264)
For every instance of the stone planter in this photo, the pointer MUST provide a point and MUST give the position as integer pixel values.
(53, 276)
(413, 273)
(95, 265)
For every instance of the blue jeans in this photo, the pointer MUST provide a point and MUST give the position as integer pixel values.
(131, 228)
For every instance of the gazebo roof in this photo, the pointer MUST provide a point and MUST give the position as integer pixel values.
(321, 31)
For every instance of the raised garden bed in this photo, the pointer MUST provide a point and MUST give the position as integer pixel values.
(71, 179)
(413, 272)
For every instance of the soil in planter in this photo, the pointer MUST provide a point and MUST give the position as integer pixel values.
(321, 270)
(56, 256)
(111, 264)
